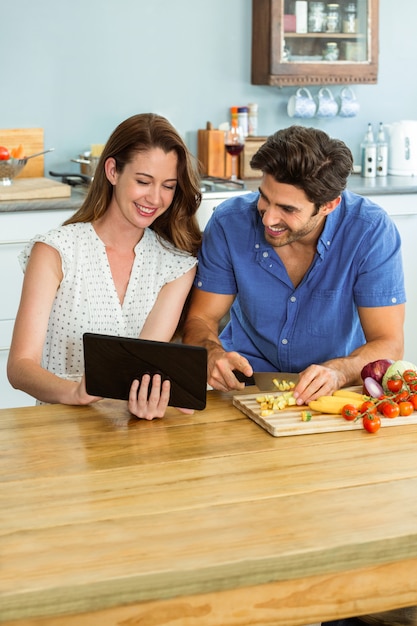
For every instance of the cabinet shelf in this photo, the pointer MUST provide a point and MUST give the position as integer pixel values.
(284, 58)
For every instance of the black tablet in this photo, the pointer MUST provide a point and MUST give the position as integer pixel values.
(112, 363)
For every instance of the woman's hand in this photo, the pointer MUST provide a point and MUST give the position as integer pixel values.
(155, 406)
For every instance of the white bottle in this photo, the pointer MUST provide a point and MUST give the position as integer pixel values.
(381, 152)
(368, 154)
(253, 120)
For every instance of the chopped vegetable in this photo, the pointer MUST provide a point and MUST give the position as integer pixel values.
(283, 385)
(305, 416)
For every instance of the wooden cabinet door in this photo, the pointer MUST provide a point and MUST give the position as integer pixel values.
(281, 56)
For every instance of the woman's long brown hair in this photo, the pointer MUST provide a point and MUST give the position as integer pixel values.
(140, 133)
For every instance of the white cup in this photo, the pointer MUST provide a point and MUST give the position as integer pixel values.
(349, 106)
(327, 106)
(301, 104)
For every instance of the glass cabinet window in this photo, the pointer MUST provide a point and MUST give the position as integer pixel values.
(319, 32)
(297, 42)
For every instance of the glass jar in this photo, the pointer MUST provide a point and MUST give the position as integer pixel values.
(331, 52)
(350, 23)
(333, 24)
(317, 17)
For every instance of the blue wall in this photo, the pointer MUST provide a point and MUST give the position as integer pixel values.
(78, 67)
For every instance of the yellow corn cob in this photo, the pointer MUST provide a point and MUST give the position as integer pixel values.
(333, 404)
(344, 393)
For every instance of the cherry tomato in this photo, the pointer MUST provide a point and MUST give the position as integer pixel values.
(391, 409)
(371, 423)
(401, 397)
(349, 412)
(394, 384)
(410, 376)
(383, 400)
(368, 407)
(406, 408)
(413, 400)
(413, 386)
(4, 154)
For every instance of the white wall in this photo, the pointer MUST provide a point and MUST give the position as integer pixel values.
(78, 67)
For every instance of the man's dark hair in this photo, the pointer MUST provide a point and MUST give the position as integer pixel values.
(308, 159)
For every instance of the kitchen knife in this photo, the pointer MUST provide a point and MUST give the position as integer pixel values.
(265, 380)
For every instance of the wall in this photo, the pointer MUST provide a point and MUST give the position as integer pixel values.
(78, 67)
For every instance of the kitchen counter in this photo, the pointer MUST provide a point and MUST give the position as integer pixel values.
(203, 519)
(364, 186)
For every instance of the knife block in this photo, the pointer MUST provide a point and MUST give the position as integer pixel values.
(212, 155)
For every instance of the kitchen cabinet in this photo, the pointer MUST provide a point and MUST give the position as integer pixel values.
(16, 229)
(284, 56)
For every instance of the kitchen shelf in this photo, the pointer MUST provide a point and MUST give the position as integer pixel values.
(284, 58)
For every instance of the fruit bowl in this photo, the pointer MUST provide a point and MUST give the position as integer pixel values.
(10, 169)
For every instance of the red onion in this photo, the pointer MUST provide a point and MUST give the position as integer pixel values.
(376, 369)
(372, 387)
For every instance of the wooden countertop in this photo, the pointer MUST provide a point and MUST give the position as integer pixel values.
(203, 520)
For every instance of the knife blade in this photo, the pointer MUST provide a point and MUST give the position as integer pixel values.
(265, 380)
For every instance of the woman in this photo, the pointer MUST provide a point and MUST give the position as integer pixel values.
(123, 264)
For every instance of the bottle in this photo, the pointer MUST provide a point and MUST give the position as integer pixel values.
(349, 24)
(381, 152)
(233, 116)
(242, 118)
(368, 154)
(333, 24)
(331, 51)
(253, 120)
(316, 17)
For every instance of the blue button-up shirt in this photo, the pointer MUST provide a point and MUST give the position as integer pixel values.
(277, 326)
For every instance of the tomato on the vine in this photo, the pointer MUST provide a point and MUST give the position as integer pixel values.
(390, 409)
(410, 376)
(371, 423)
(413, 400)
(401, 397)
(368, 407)
(383, 400)
(349, 412)
(395, 384)
(406, 408)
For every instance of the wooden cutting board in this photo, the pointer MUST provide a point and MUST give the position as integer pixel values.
(32, 142)
(34, 189)
(288, 421)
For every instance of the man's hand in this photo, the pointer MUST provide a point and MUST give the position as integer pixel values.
(316, 381)
(221, 365)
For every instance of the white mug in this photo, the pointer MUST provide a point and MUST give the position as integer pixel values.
(349, 106)
(327, 106)
(301, 104)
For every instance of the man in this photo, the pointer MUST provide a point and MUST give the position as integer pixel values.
(312, 274)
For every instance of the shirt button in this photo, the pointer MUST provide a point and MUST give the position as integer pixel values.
(293, 299)
(199, 284)
(265, 254)
(256, 245)
(393, 300)
(284, 341)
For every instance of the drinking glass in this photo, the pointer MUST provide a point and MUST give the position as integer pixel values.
(234, 142)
